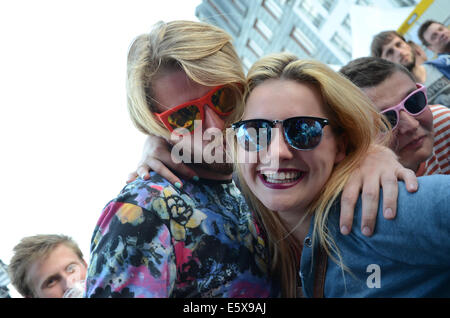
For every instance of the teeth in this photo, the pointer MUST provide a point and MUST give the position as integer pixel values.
(281, 177)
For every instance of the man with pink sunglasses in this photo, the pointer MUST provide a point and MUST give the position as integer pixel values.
(421, 131)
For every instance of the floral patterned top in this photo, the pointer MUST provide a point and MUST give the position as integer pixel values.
(155, 240)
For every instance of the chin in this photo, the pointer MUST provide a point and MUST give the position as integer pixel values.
(277, 204)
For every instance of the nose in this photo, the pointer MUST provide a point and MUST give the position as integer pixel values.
(279, 148)
(399, 54)
(212, 120)
(407, 123)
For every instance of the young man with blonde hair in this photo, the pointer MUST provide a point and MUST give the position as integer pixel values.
(46, 266)
(156, 239)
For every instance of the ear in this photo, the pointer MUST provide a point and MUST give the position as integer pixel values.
(341, 148)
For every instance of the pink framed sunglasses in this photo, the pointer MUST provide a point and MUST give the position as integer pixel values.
(414, 104)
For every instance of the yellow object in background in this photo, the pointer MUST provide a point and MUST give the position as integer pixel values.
(415, 14)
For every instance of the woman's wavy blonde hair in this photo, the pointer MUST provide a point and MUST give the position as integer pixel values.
(204, 52)
(351, 115)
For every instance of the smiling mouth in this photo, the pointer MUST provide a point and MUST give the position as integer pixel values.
(281, 179)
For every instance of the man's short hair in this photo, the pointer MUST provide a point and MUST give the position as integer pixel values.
(372, 71)
(423, 28)
(381, 39)
(31, 249)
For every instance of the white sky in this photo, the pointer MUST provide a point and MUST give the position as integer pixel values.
(67, 143)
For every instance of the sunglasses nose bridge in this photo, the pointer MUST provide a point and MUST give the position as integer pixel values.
(279, 147)
(212, 119)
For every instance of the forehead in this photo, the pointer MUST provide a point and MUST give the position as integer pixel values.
(174, 87)
(58, 258)
(391, 91)
(431, 28)
(281, 99)
(390, 42)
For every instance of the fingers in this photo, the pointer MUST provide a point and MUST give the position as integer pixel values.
(132, 176)
(410, 179)
(390, 193)
(370, 200)
(144, 171)
(157, 157)
(160, 168)
(181, 168)
(349, 198)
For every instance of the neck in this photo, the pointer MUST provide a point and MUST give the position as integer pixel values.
(296, 223)
(419, 73)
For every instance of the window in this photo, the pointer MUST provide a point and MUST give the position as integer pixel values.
(364, 2)
(263, 29)
(233, 26)
(346, 24)
(340, 43)
(404, 3)
(327, 4)
(242, 8)
(302, 40)
(307, 7)
(273, 9)
(255, 48)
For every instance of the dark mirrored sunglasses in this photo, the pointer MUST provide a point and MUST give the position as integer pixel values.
(301, 133)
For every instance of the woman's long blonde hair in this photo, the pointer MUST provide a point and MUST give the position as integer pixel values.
(351, 115)
(204, 52)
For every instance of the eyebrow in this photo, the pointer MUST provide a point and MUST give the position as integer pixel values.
(407, 93)
(56, 276)
(48, 279)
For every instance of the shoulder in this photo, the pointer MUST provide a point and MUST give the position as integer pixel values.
(432, 189)
(441, 122)
(140, 204)
(416, 235)
(440, 113)
(142, 192)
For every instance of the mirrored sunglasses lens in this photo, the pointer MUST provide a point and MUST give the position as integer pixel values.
(416, 103)
(222, 100)
(391, 117)
(303, 134)
(254, 136)
(184, 118)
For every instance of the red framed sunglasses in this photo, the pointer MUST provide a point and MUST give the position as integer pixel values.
(414, 104)
(185, 115)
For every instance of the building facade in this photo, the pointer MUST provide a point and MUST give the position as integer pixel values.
(4, 280)
(318, 29)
